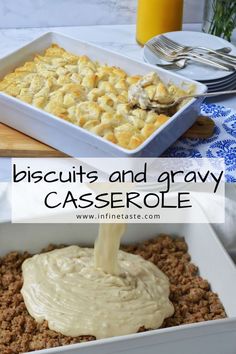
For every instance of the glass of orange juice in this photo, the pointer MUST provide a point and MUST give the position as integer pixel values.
(158, 16)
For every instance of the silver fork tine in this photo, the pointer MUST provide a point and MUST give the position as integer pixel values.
(154, 45)
(159, 46)
(157, 52)
(160, 53)
(171, 47)
(151, 41)
(178, 47)
(171, 43)
(161, 50)
(161, 40)
(166, 44)
(172, 50)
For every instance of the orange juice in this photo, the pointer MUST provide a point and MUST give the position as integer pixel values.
(156, 17)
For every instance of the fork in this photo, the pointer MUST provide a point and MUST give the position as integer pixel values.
(160, 50)
(175, 46)
(219, 60)
(175, 59)
(181, 63)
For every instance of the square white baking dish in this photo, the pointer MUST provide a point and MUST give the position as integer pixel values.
(72, 139)
(212, 337)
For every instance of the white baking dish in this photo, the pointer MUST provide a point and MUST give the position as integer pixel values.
(72, 139)
(212, 337)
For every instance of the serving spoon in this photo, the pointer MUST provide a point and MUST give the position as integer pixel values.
(162, 107)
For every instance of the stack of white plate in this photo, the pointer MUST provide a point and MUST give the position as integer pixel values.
(223, 83)
(215, 79)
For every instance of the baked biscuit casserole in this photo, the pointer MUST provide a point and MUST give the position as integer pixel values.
(93, 96)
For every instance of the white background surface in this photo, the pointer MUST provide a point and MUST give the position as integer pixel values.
(45, 13)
